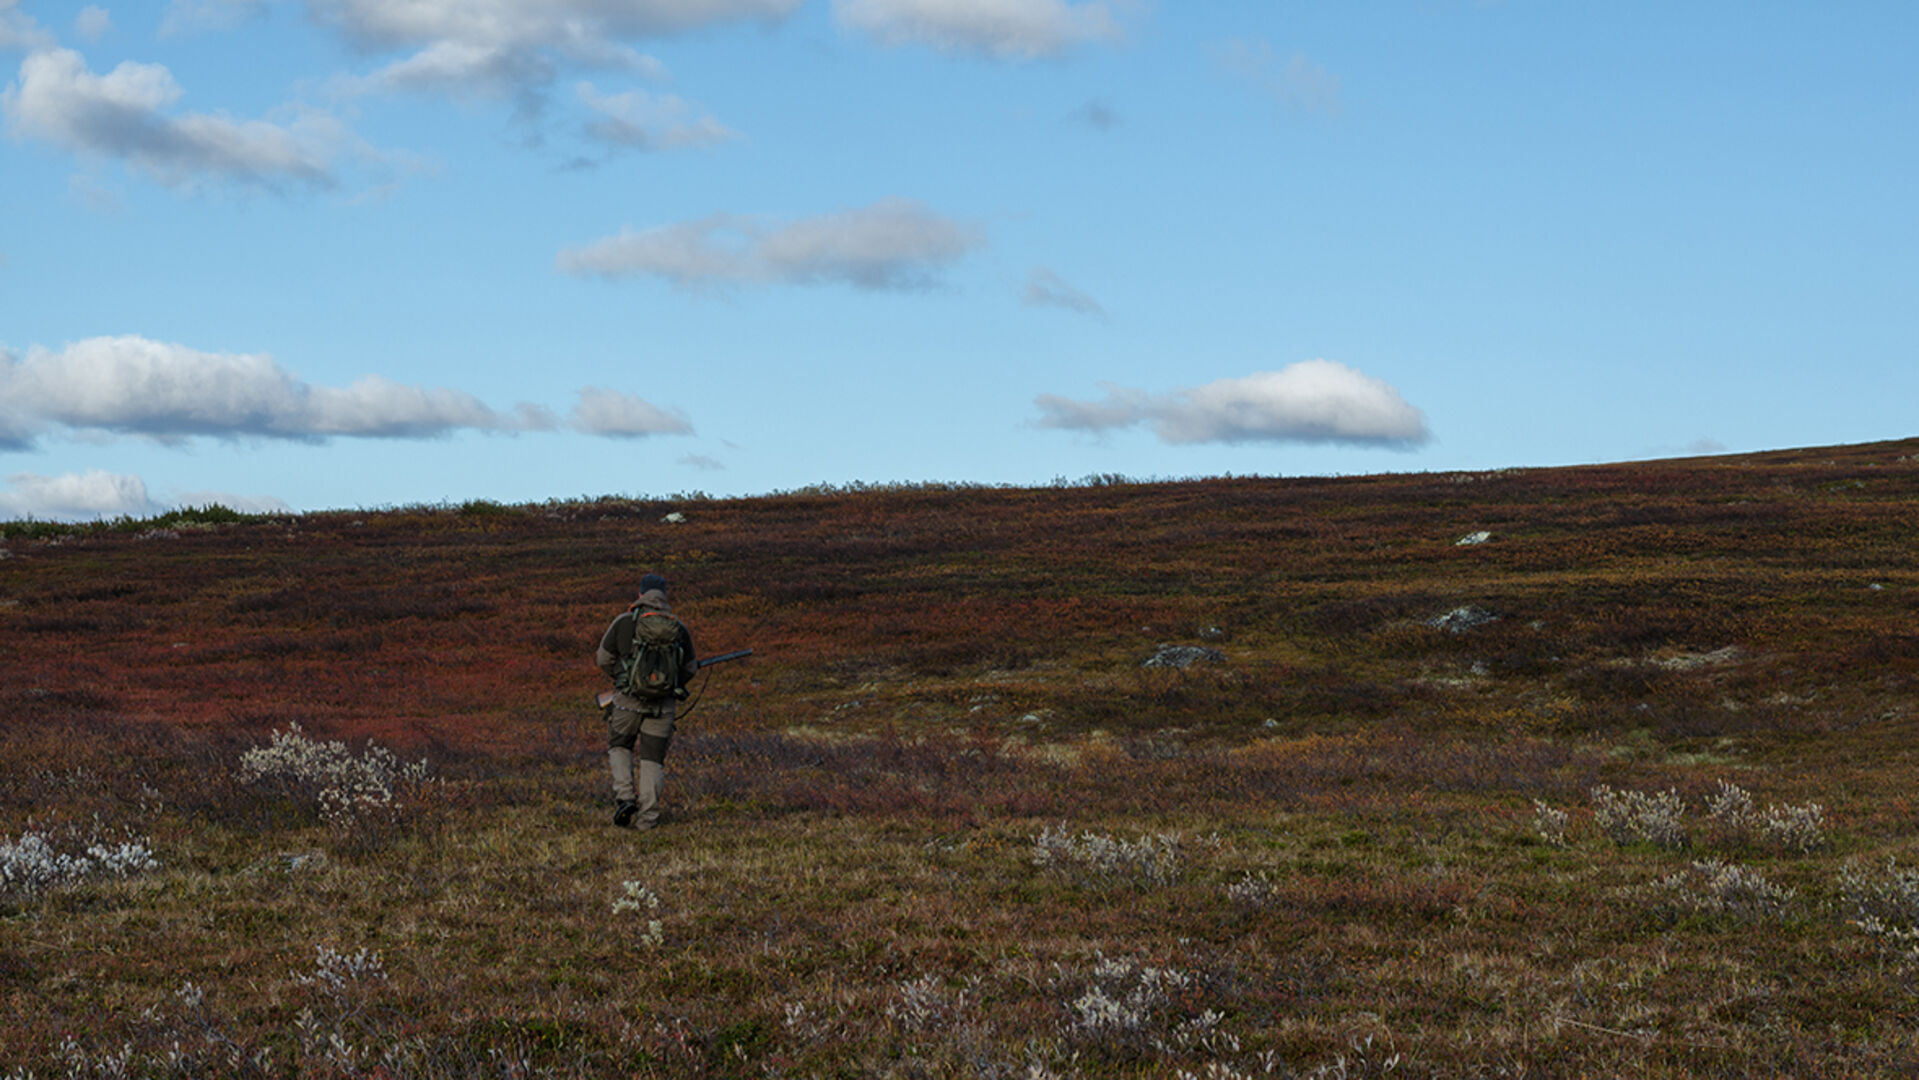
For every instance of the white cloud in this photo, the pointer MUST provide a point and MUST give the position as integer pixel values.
(1002, 29)
(642, 121)
(75, 496)
(189, 16)
(459, 68)
(569, 24)
(19, 31)
(135, 386)
(100, 494)
(93, 23)
(1300, 84)
(702, 461)
(600, 411)
(120, 115)
(892, 244)
(517, 47)
(1315, 401)
(1047, 289)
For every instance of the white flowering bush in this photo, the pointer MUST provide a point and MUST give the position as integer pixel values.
(31, 864)
(1884, 903)
(1731, 815)
(1735, 822)
(639, 900)
(1627, 817)
(1104, 861)
(1253, 891)
(345, 982)
(1368, 1059)
(349, 791)
(1800, 830)
(926, 1004)
(1550, 824)
(1125, 1008)
(336, 971)
(1710, 887)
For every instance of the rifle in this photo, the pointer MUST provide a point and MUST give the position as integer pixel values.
(605, 697)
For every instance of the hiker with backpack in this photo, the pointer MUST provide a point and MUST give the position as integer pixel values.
(648, 654)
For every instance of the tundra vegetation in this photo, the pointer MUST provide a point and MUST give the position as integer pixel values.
(1622, 788)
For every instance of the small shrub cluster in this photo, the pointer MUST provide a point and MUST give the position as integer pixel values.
(1714, 888)
(1627, 817)
(1123, 1008)
(353, 794)
(1550, 824)
(1732, 820)
(645, 903)
(31, 865)
(1101, 861)
(1735, 822)
(1885, 904)
(1255, 891)
(926, 1004)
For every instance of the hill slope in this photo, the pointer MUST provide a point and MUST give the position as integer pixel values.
(1622, 788)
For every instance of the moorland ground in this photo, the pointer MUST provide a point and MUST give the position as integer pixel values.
(324, 795)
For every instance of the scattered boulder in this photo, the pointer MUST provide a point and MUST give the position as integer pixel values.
(1183, 656)
(1461, 619)
(1693, 661)
(674, 518)
(1472, 538)
(1211, 632)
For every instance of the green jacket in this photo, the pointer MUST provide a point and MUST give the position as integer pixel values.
(617, 642)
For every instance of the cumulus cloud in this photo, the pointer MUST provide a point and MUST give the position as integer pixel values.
(1315, 401)
(1298, 83)
(93, 23)
(513, 48)
(19, 31)
(638, 120)
(1047, 289)
(75, 496)
(892, 244)
(100, 494)
(616, 414)
(122, 115)
(135, 386)
(1001, 29)
(190, 16)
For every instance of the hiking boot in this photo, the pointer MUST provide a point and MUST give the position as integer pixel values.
(624, 812)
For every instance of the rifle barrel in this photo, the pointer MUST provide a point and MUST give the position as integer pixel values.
(724, 657)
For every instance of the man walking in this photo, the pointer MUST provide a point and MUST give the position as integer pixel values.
(649, 656)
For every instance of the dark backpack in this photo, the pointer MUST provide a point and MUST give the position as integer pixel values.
(651, 671)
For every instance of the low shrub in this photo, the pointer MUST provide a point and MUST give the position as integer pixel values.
(1100, 861)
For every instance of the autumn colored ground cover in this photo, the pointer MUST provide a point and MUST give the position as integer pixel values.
(944, 823)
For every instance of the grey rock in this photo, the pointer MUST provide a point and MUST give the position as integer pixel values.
(1213, 632)
(1461, 619)
(1183, 656)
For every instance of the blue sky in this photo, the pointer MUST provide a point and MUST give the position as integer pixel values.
(340, 253)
